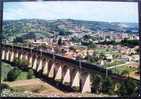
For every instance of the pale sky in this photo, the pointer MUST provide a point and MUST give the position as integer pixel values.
(81, 10)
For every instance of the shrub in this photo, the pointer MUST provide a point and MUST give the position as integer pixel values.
(30, 74)
(97, 84)
(21, 63)
(13, 74)
(107, 86)
(128, 88)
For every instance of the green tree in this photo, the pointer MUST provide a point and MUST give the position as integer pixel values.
(102, 56)
(13, 74)
(75, 39)
(91, 44)
(17, 61)
(107, 86)
(60, 41)
(97, 84)
(128, 88)
(125, 73)
(21, 63)
(18, 40)
(30, 74)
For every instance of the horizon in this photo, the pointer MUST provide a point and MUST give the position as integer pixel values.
(68, 19)
(76, 10)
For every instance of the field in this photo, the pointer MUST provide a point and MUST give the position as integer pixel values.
(114, 63)
(106, 51)
(119, 70)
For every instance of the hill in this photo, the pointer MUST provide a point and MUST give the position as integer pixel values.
(44, 28)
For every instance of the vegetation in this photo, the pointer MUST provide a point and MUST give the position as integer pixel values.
(125, 42)
(97, 84)
(109, 42)
(130, 42)
(5, 68)
(122, 69)
(75, 39)
(107, 86)
(45, 28)
(18, 40)
(64, 32)
(21, 63)
(60, 41)
(128, 88)
(114, 63)
(125, 73)
(30, 74)
(13, 74)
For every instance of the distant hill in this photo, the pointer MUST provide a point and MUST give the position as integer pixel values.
(44, 28)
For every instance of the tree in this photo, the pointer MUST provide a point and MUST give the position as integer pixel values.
(97, 84)
(18, 39)
(122, 90)
(91, 44)
(30, 74)
(60, 41)
(86, 37)
(107, 86)
(128, 88)
(102, 56)
(21, 63)
(75, 39)
(13, 74)
(125, 73)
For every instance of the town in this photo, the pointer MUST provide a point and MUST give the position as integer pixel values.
(93, 48)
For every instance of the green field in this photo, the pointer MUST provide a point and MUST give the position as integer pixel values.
(107, 51)
(119, 70)
(114, 63)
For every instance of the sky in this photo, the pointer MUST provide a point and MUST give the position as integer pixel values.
(81, 10)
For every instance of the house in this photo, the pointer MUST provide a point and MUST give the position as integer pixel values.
(102, 62)
(135, 58)
(125, 58)
(109, 56)
(133, 65)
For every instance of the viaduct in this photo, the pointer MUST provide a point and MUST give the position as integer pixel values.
(58, 68)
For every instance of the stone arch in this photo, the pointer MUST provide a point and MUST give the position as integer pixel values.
(51, 66)
(45, 67)
(35, 62)
(75, 78)
(6, 54)
(3, 54)
(85, 82)
(40, 64)
(58, 72)
(66, 75)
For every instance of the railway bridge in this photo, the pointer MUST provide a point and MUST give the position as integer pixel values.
(74, 73)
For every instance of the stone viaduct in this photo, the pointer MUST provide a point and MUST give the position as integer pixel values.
(67, 71)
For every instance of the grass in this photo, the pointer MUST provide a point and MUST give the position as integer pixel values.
(5, 68)
(114, 63)
(22, 76)
(107, 51)
(119, 70)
